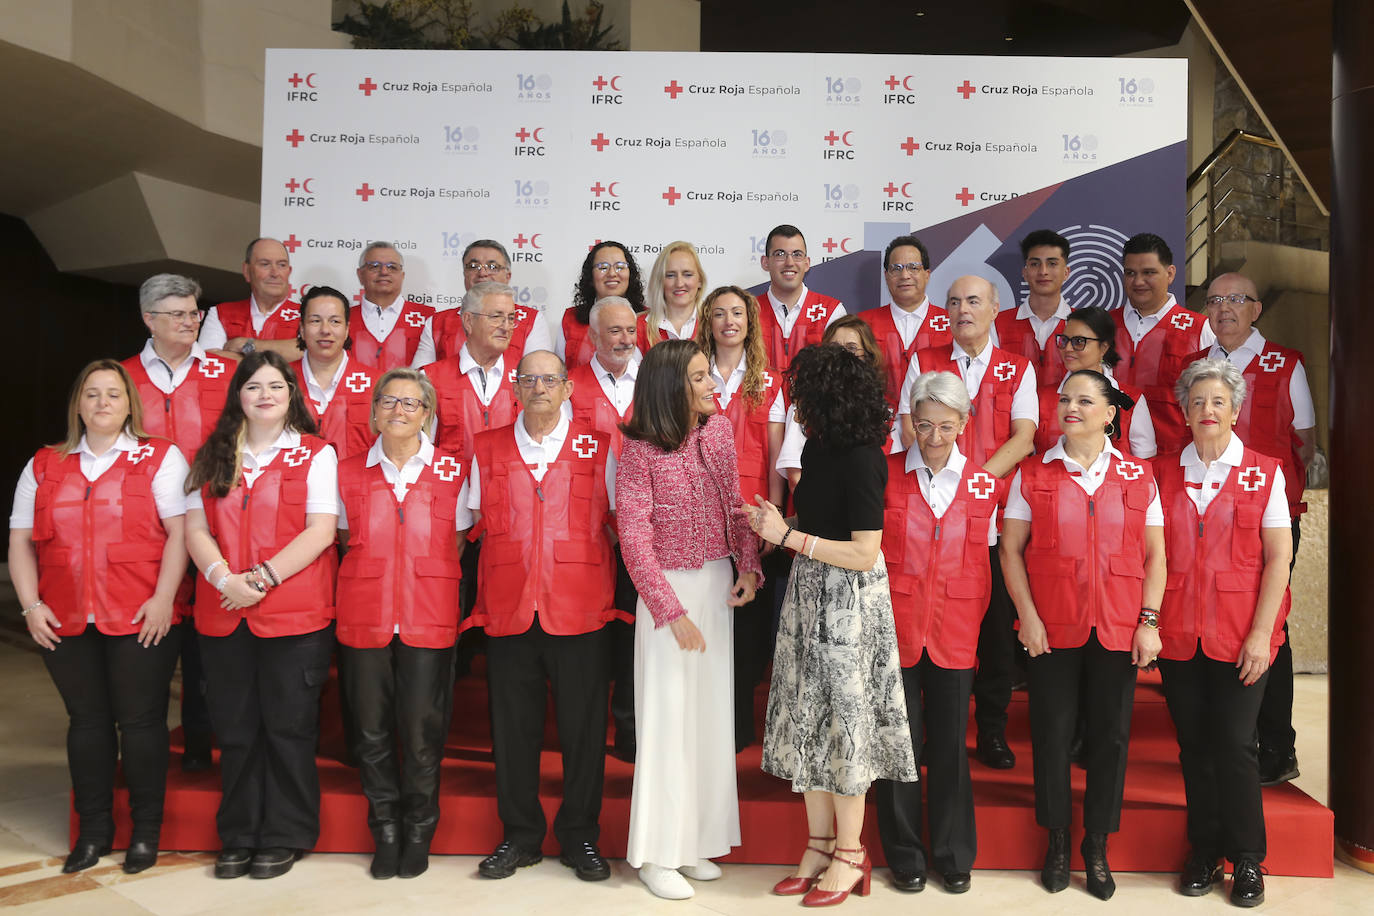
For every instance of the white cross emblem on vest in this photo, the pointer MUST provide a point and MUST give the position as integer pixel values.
(1182, 320)
(768, 380)
(815, 312)
(1252, 479)
(521, 314)
(1129, 470)
(510, 376)
(297, 456)
(446, 468)
(1272, 361)
(585, 445)
(138, 454)
(982, 484)
(358, 382)
(415, 319)
(1004, 371)
(939, 322)
(289, 314)
(211, 367)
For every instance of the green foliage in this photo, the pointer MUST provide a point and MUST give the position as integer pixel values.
(428, 25)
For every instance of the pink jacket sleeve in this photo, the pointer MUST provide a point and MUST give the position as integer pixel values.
(718, 439)
(634, 498)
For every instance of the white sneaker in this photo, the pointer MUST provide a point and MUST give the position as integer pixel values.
(704, 870)
(665, 882)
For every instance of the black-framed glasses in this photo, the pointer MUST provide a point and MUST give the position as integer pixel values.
(1077, 341)
(492, 267)
(195, 316)
(409, 405)
(781, 255)
(529, 381)
(1234, 299)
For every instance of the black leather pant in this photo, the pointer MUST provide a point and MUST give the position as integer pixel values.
(399, 691)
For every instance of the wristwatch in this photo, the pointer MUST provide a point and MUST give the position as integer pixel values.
(248, 347)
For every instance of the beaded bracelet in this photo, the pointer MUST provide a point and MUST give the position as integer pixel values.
(788, 534)
(31, 608)
(271, 573)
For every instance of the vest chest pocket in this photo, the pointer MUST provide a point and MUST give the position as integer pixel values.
(1247, 551)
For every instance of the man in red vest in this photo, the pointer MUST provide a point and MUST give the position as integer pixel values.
(546, 593)
(386, 327)
(267, 319)
(792, 316)
(1029, 329)
(1276, 419)
(911, 322)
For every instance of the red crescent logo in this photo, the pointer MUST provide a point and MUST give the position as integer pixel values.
(905, 192)
(305, 186)
(843, 242)
(614, 85)
(844, 138)
(537, 138)
(906, 83)
(534, 240)
(308, 78)
(610, 189)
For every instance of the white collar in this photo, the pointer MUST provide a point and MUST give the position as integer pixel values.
(309, 373)
(1230, 456)
(150, 354)
(982, 358)
(777, 303)
(631, 371)
(466, 363)
(915, 461)
(918, 313)
(395, 306)
(1157, 316)
(1254, 343)
(1061, 311)
(556, 435)
(123, 443)
(425, 454)
(253, 305)
(1056, 452)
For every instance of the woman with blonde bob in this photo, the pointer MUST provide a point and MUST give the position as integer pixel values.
(676, 285)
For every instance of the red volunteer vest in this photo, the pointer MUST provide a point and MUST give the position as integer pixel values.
(1266, 416)
(189, 413)
(546, 551)
(934, 332)
(446, 328)
(938, 568)
(578, 348)
(461, 415)
(99, 542)
(990, 426)
(750, 426)
(1215, 562)
(402, 566)
(642, 333)
(1154, 366)
(400, 345)
(1048, 432)
(253, 524)
(1015, 335)
(591, 407)
(809, 329)
(344, 423)
(1086, 556)
(237, 320)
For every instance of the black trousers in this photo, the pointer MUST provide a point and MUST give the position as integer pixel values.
(399, 692)
(520, 670)
(195, 713)
(1214, 715)
(1275, 726)
(108, 682)
(621, 657)
(997, 657)
(937, 710)
(264, 696)
(754, 626)
(1102, 683)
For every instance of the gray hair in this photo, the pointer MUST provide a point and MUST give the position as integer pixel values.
(380, 246)
(944, 388)
(1204, 370)
(248, 252)
(520, 366)
(160, 286)
(475, 299)
(405, 374)
(600, 305)
(488, 243)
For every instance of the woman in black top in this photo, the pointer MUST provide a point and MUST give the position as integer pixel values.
(836, 710)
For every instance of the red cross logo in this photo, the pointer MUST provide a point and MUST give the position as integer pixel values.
(358, 382)
(892, 82)
(138, 454)
(832, 138)
(298, 456)
(891, 189)
(1272, 361)
(816, 312)
(829, 245)
(585, 445)
(600, 82)
(295, 138)
(600, 142)
(367, 86)
(446, 468)
(1182, 320)
(671, 195)
(963, 197)
(938, 322)
(1129, 470)
(510, 376)
(767, 379)
(982, 484)
(910, 145)
(521, 313)
(415, 319)
(292, 185)
(289, 314)
(522, 135)
(358, 298)
(966, 90)
(291, 243)
(1252, 479)
(598, 189)
(296, 80)
(520, 240)
(1004, 371)
(211, 367)
(672, 89)
(365, 192)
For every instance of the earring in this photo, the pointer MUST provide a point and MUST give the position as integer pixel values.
(1109, 429)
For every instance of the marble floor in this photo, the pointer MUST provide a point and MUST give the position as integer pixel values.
(33, 840)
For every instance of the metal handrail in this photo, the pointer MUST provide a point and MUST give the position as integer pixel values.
(1234, 137)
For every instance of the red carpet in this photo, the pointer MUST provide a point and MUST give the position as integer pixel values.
(1152, 836)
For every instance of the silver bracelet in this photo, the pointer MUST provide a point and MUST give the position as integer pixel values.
(219, 586)
(32, 607)
(211, 567)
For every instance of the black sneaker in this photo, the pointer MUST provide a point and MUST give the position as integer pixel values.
(505, 859)
(586, 860)
(1277, 768)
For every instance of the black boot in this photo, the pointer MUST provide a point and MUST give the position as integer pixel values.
(414, 856)
(1100, 882)
(385, 860)
(1055, 874)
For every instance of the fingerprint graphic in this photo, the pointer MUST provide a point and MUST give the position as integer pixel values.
(1094, 267)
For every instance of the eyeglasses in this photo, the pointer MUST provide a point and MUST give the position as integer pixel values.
(379, 266)
(491, 267)
(925, 428)
(602, 267)
(195, 316)
(529, 381)
(1078, 341)
(1234, 299)
(500, 319)
(409, 405)
(896, 270)
(781, 255)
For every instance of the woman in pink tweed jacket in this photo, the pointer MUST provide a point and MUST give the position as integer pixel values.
(681, 523)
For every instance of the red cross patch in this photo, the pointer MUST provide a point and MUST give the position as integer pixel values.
(510, 376)
(358, 382)
(768, 379)
(289, 314)
(1129, 470)
(446, 468)
(1272, 361)
(816, 312)
(1182, 320)
(415, 319)
(136, 455)
(1004, 371)
(1252, 479)
(211, 367)
(297, 456)
(939, 322)
(521, 313)
(585, 445)
(982, 484)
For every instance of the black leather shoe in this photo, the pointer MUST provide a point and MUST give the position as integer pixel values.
(83, 855)
(1055, 873)
(957, 882)
(1277, 768)
(414, 859)
(913, 882)
(386, 860)
(141, 856)
(585, 859)
(233, 862)
(273, 861)
(505, 859)
(625, 752)
(1199, 875)
(1101, 884)
(993, 752)
(1247, 883)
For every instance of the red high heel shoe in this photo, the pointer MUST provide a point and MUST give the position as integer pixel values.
(799, 884)
(863, 884)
